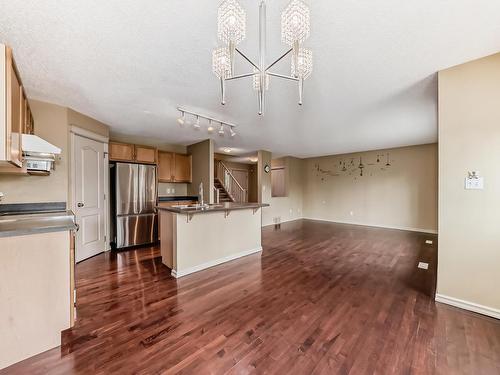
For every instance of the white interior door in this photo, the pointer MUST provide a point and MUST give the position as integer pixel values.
(89, 197)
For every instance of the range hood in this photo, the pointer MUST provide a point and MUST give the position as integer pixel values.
(39, 155)
(33, 144)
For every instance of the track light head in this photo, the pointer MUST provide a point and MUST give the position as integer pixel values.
(181, 120)
(210, 127)
(221, 129)
(196, 125)
(232, 132)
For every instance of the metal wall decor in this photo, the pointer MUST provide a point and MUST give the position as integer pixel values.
(349, 167)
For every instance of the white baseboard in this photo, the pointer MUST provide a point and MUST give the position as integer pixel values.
(470, 306)
(432, 231)
(213, 263)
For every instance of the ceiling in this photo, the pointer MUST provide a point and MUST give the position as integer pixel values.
(130, 63)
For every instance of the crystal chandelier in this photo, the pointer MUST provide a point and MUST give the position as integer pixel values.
(231, 30)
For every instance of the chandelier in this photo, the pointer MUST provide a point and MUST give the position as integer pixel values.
(231, 30)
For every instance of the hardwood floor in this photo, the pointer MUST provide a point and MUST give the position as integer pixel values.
(322, 299)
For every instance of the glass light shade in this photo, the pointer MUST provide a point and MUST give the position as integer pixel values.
(256, 81)
(304, 64)
(231, 26)
(295, 23)
(221, 62)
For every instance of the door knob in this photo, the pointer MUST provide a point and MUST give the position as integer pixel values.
(80, 204)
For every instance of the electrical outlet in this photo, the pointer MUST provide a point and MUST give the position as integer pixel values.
(428, 242)
(291, 211)
(351, 213)
(423, 265)
(173, 191)
(168, 190)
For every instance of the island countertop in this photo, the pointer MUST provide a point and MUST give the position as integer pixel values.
(227, 206)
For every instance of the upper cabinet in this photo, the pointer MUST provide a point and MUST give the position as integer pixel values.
(174, 167)
(132, 153)
(15, 113)
(145, 154)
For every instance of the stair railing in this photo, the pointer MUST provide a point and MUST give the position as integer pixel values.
(233, 188)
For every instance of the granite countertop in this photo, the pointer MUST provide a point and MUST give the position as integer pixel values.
(212, 208)
(29, 218)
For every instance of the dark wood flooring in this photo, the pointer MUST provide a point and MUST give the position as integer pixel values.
(322, 299)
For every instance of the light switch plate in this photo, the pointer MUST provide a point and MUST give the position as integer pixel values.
(423, 265)
(474, 183)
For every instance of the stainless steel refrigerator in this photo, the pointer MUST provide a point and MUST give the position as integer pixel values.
(133, 189)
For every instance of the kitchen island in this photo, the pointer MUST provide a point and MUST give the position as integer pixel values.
(197, 237)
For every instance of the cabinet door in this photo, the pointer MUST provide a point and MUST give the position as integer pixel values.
(14, 137)
(165, 166)
(121, 151)
(182, 165)
(145, 154)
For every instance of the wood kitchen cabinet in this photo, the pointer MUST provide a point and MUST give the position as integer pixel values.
(174, 167)
(12, 102)
(182, 168)
(145, 154)
(132, 153)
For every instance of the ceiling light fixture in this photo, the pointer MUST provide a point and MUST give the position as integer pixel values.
(231, 30)
(210, 127)
(196, 125)
(227, 150)
(182, 118)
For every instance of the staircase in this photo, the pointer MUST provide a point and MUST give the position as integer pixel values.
(223, 194)
(226, 184)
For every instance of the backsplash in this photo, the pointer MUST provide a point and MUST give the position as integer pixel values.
(167, 189)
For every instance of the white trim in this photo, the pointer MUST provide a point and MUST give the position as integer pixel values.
(432, 231)
(213, 263)
(470, 306)
(88, 134)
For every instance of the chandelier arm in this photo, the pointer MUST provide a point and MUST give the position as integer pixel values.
(241, 76)
(247, 59)
(279, 59)
(283, 76)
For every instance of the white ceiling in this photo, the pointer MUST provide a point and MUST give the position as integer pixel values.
(129, 63)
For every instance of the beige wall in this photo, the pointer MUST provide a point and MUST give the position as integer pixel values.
(203, 169)
(469, 220)
(402, 196)
(88, 123)
(290, 207)
(51, 124)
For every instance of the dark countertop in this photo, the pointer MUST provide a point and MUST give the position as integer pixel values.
(213, 208)
(19, 224)
(178, 198)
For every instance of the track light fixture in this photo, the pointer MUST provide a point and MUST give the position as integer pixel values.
(182, 120)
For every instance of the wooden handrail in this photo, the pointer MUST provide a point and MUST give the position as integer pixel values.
(240, 193)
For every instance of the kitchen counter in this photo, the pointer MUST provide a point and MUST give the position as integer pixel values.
(198, 209)
(18, 224)
(195, 237)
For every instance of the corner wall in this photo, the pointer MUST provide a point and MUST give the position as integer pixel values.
(469, 220)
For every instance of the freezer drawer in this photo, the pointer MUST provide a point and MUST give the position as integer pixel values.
(132, 230)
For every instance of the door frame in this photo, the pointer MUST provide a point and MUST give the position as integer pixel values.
(77, 131)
